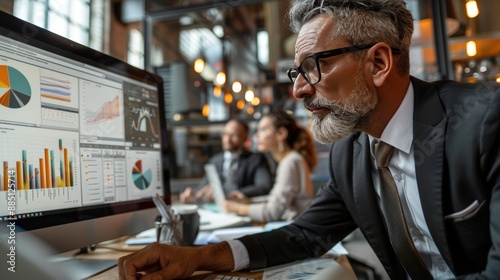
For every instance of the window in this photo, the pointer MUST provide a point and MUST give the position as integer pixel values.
(202, 42)
(68, 18)
(263, 47)
(135, 49)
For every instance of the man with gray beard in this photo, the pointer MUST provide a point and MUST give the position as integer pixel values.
(342, 118)
(418, 177)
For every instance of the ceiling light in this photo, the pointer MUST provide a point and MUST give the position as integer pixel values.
(199, 65)
(249, 95)
(186, 20)
(206, 110)
(218, 30)
(472, 9)
(217, 91)
(228, 98)
(220, 78)
(236, 86)
(470, 48)
(240, 104)
(255, 101)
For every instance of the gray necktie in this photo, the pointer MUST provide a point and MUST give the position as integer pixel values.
(230, 181)
(393, 212)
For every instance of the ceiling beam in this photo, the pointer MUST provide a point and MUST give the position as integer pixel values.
(178, 12)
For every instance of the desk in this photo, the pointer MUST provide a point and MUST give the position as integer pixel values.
(112, 273)
(113, 251)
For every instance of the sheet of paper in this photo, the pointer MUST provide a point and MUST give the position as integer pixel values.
(338, 250)
(210, 220)
(232, 233)
(299, 270)
(274, 225)
(140, 241)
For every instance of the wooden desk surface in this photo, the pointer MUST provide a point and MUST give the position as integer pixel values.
(112, 273)
(117, 249)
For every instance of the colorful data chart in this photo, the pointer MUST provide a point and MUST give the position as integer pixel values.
(15, 90)
(144, 122)
(54, 88)
(108, 111)
(41, 173)
(142, 178)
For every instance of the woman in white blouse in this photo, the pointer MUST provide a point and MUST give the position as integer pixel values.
(293, 149)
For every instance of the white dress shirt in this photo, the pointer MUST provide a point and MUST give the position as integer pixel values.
(230, 161)
(399, 134)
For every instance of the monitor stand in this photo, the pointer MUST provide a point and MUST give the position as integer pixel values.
(34, 260)
(80, 268)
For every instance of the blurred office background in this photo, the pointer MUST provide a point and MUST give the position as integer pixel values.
(228, 58)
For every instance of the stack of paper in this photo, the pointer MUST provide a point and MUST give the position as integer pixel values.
(310, 269)
(210, 220)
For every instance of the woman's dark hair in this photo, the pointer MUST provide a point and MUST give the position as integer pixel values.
(298, 138)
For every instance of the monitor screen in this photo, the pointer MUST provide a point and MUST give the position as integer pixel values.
(82, 140)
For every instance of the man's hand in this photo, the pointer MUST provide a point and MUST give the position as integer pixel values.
(238, 196)
(188, 196)
(205, 194)
(236, 207)
(163, 262)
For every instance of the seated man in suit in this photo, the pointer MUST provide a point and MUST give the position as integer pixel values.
(415, 165)
(243, 173)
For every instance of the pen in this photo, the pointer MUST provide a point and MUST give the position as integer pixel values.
(158, 227)
(162, 208)
(171, 221)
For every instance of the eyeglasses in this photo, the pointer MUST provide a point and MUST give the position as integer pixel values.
(309, 67)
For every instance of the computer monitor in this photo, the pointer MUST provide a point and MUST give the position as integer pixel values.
(83, 141)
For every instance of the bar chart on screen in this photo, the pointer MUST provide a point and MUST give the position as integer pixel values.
(46, 170)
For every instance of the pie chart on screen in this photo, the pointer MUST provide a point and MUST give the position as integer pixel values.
(142, 177)
(15, 90)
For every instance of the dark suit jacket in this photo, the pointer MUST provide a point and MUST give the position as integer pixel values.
(253, 177)
(457, 158)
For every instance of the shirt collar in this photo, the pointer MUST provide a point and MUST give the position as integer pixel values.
(229, 156)
(399, 131)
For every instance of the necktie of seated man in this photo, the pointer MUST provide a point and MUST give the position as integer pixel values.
(393, 212)
(230, 180)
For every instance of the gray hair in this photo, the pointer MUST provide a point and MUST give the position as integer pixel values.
(363, 22)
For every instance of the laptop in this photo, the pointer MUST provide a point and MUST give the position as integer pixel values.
(214, 180)
(213, 216)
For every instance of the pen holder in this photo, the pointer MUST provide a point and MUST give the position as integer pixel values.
(190, 221)
(170, 232)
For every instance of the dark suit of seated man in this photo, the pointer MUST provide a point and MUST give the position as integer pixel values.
(442, 169)
(243, 173)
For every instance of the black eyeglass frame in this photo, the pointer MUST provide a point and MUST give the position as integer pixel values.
(324, 54)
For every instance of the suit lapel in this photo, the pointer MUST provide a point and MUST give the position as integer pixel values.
(429, 127)
(364, 194)
(219, 163)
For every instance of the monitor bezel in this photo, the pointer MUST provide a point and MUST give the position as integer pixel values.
(33, 35)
